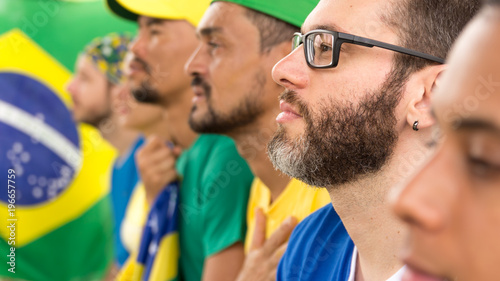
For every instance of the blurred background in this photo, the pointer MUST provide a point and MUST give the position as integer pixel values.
(61, 211)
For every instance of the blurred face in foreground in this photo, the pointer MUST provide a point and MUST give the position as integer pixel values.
(452, 206)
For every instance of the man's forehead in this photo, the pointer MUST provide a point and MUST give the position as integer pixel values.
(216, 15)
(145, 21)
(471, 84)
(360, 17)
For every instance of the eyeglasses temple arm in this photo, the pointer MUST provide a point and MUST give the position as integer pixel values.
(374, 43)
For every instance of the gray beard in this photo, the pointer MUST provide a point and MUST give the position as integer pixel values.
(343, 143)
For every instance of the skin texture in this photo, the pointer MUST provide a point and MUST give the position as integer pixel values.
(361, 202)
(89, 90)
(236, 96)
(452, 205)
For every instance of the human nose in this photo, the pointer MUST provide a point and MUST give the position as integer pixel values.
(196, 64)
(291, 71)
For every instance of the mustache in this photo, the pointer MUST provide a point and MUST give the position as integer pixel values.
(293, 98)
(199, 82)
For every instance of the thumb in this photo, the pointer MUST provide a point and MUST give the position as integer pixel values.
(259, 234)
(177, 151)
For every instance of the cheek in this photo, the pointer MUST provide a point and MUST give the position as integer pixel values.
(483, 239)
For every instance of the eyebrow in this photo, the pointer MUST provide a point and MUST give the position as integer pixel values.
(209, 31)
(331, 27)
(477, 124)
(153, 21)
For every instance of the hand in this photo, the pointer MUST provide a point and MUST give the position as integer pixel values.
(156, 163)
(263, 258)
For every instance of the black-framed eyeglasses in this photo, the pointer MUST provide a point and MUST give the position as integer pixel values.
(322, 47)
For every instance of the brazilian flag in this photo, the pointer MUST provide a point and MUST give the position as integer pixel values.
(61, 214)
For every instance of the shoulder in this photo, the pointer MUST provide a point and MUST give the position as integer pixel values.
(319, 248)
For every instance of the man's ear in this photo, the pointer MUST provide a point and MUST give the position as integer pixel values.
(421, 86)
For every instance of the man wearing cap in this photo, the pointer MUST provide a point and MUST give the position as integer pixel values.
(98, 76)
(355, 119)
(240, 41)
(215, 180)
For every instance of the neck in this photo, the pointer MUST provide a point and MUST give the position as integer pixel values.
(176, 119)
(364, 209)
(251, 142)
(116, 135)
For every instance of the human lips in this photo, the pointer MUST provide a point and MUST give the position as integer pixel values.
(199, 94)
(288, 113)
(136, 67)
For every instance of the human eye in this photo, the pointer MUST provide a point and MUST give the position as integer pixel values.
(483, 157)
(483, 168)
(154, 31)
(325, 48)
(213, 44)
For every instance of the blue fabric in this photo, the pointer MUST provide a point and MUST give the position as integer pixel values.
(319, 249)
(125, 178)
(162, 222)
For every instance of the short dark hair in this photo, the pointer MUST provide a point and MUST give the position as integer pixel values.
(492, 2)
(272, 31)
(429, 26)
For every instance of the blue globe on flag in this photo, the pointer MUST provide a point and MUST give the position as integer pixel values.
(38, 138)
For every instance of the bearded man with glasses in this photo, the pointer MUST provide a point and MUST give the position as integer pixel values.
(355, 119)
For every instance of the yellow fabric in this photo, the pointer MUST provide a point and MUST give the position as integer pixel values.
(297, 199)
(165, 265)
(97, 154)
(190, 10)
(131, 231)
(135, 217)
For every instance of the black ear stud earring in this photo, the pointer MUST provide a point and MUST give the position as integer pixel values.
(415, 126)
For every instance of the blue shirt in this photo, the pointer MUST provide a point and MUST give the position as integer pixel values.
(319, 249)
(125, 178)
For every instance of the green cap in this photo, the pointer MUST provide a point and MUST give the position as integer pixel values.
(293, 12)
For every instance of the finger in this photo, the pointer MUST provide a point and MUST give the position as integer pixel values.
(154, 157)
(278, 254)
(272, 275)
(177, 151)
(280, 236)
(162, 167)
(259, 234)
(152, 142)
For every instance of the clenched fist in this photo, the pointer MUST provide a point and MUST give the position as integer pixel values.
(156, 163)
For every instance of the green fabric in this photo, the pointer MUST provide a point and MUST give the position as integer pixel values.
(62, 28)
(213, 201)
(293, 12)
(81, 250)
